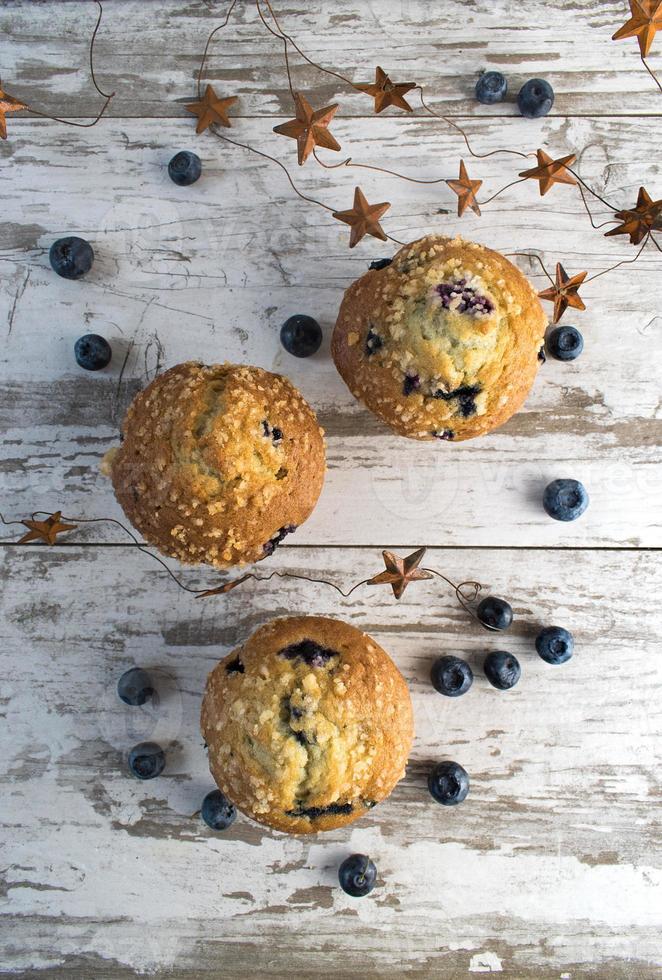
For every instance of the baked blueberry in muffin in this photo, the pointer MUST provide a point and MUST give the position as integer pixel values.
(218, 464)
(443, 342)
(308, 724)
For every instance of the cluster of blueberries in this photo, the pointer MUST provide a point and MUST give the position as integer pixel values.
(534, 99)
(147, 759)
(448, 782)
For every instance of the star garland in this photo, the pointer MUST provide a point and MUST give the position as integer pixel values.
(310, 129)
(398, 572)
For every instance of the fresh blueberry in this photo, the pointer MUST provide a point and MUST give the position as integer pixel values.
(565, 500)
(301, 335)
(135, 686)
(494, 613)
(535, 98)
(448, 783)
(451, 676)
(555, 645)
(502, 669)
(71, 257)
(357, 875)
(491, 87)
(217, 811)
(380, 264)
(92, 352)
(565, 343)
(147, 760)
(185, 168)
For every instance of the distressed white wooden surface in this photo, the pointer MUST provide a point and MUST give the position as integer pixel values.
(551, 867)
(548, 867)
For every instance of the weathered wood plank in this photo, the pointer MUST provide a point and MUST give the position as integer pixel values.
(549, 866)
(444, 47)
(212, 271)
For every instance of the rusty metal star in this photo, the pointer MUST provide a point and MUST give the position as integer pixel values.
(211, 109)
(564, 292)
(309, 128)
(47, 530)
(639, 221)
(466, 191)
(386, 93)
(363, 218)
(550, 172)
(401, 571)
(226, 587)
(7, 104)
(645, 21)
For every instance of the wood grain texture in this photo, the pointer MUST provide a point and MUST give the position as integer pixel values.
(551, 868)
(212, 271)
(548, 867)
(443, 46)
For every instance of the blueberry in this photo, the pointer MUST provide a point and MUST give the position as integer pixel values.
(380, 264)
(565, 500)
(448, 783)
(301, 336)
(494, 613)
(310, 652)
(147, 760)
(535, 98)
(565, 343)
(135, 686)
(491, 87)
(555, 645)
(92, 352)
(411, 384)
(71, 257)
(217, 811)
(451, 676)
(502, 669)
(185, 168)
(357, 875)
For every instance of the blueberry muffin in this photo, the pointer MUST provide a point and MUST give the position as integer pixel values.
(218, 464)
(308, 725)
(443, 342)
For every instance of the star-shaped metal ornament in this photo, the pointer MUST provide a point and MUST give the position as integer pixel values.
(47, 530)
(226, 587)
(564, 292)
(640, 220)
(386, 93)
(363, 218)
(401, 571)
(309, 128)
(211, 109)
(466, 190)
(7, 104)
(644, 23)
(550, 172)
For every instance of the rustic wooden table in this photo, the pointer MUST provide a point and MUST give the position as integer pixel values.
(549, 869)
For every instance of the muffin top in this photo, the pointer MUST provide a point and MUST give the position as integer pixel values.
(218, 463)
(443, 343)
(308, 724)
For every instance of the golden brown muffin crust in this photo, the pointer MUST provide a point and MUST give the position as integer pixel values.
(218, 463)
(443, 343)
(308, 724)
